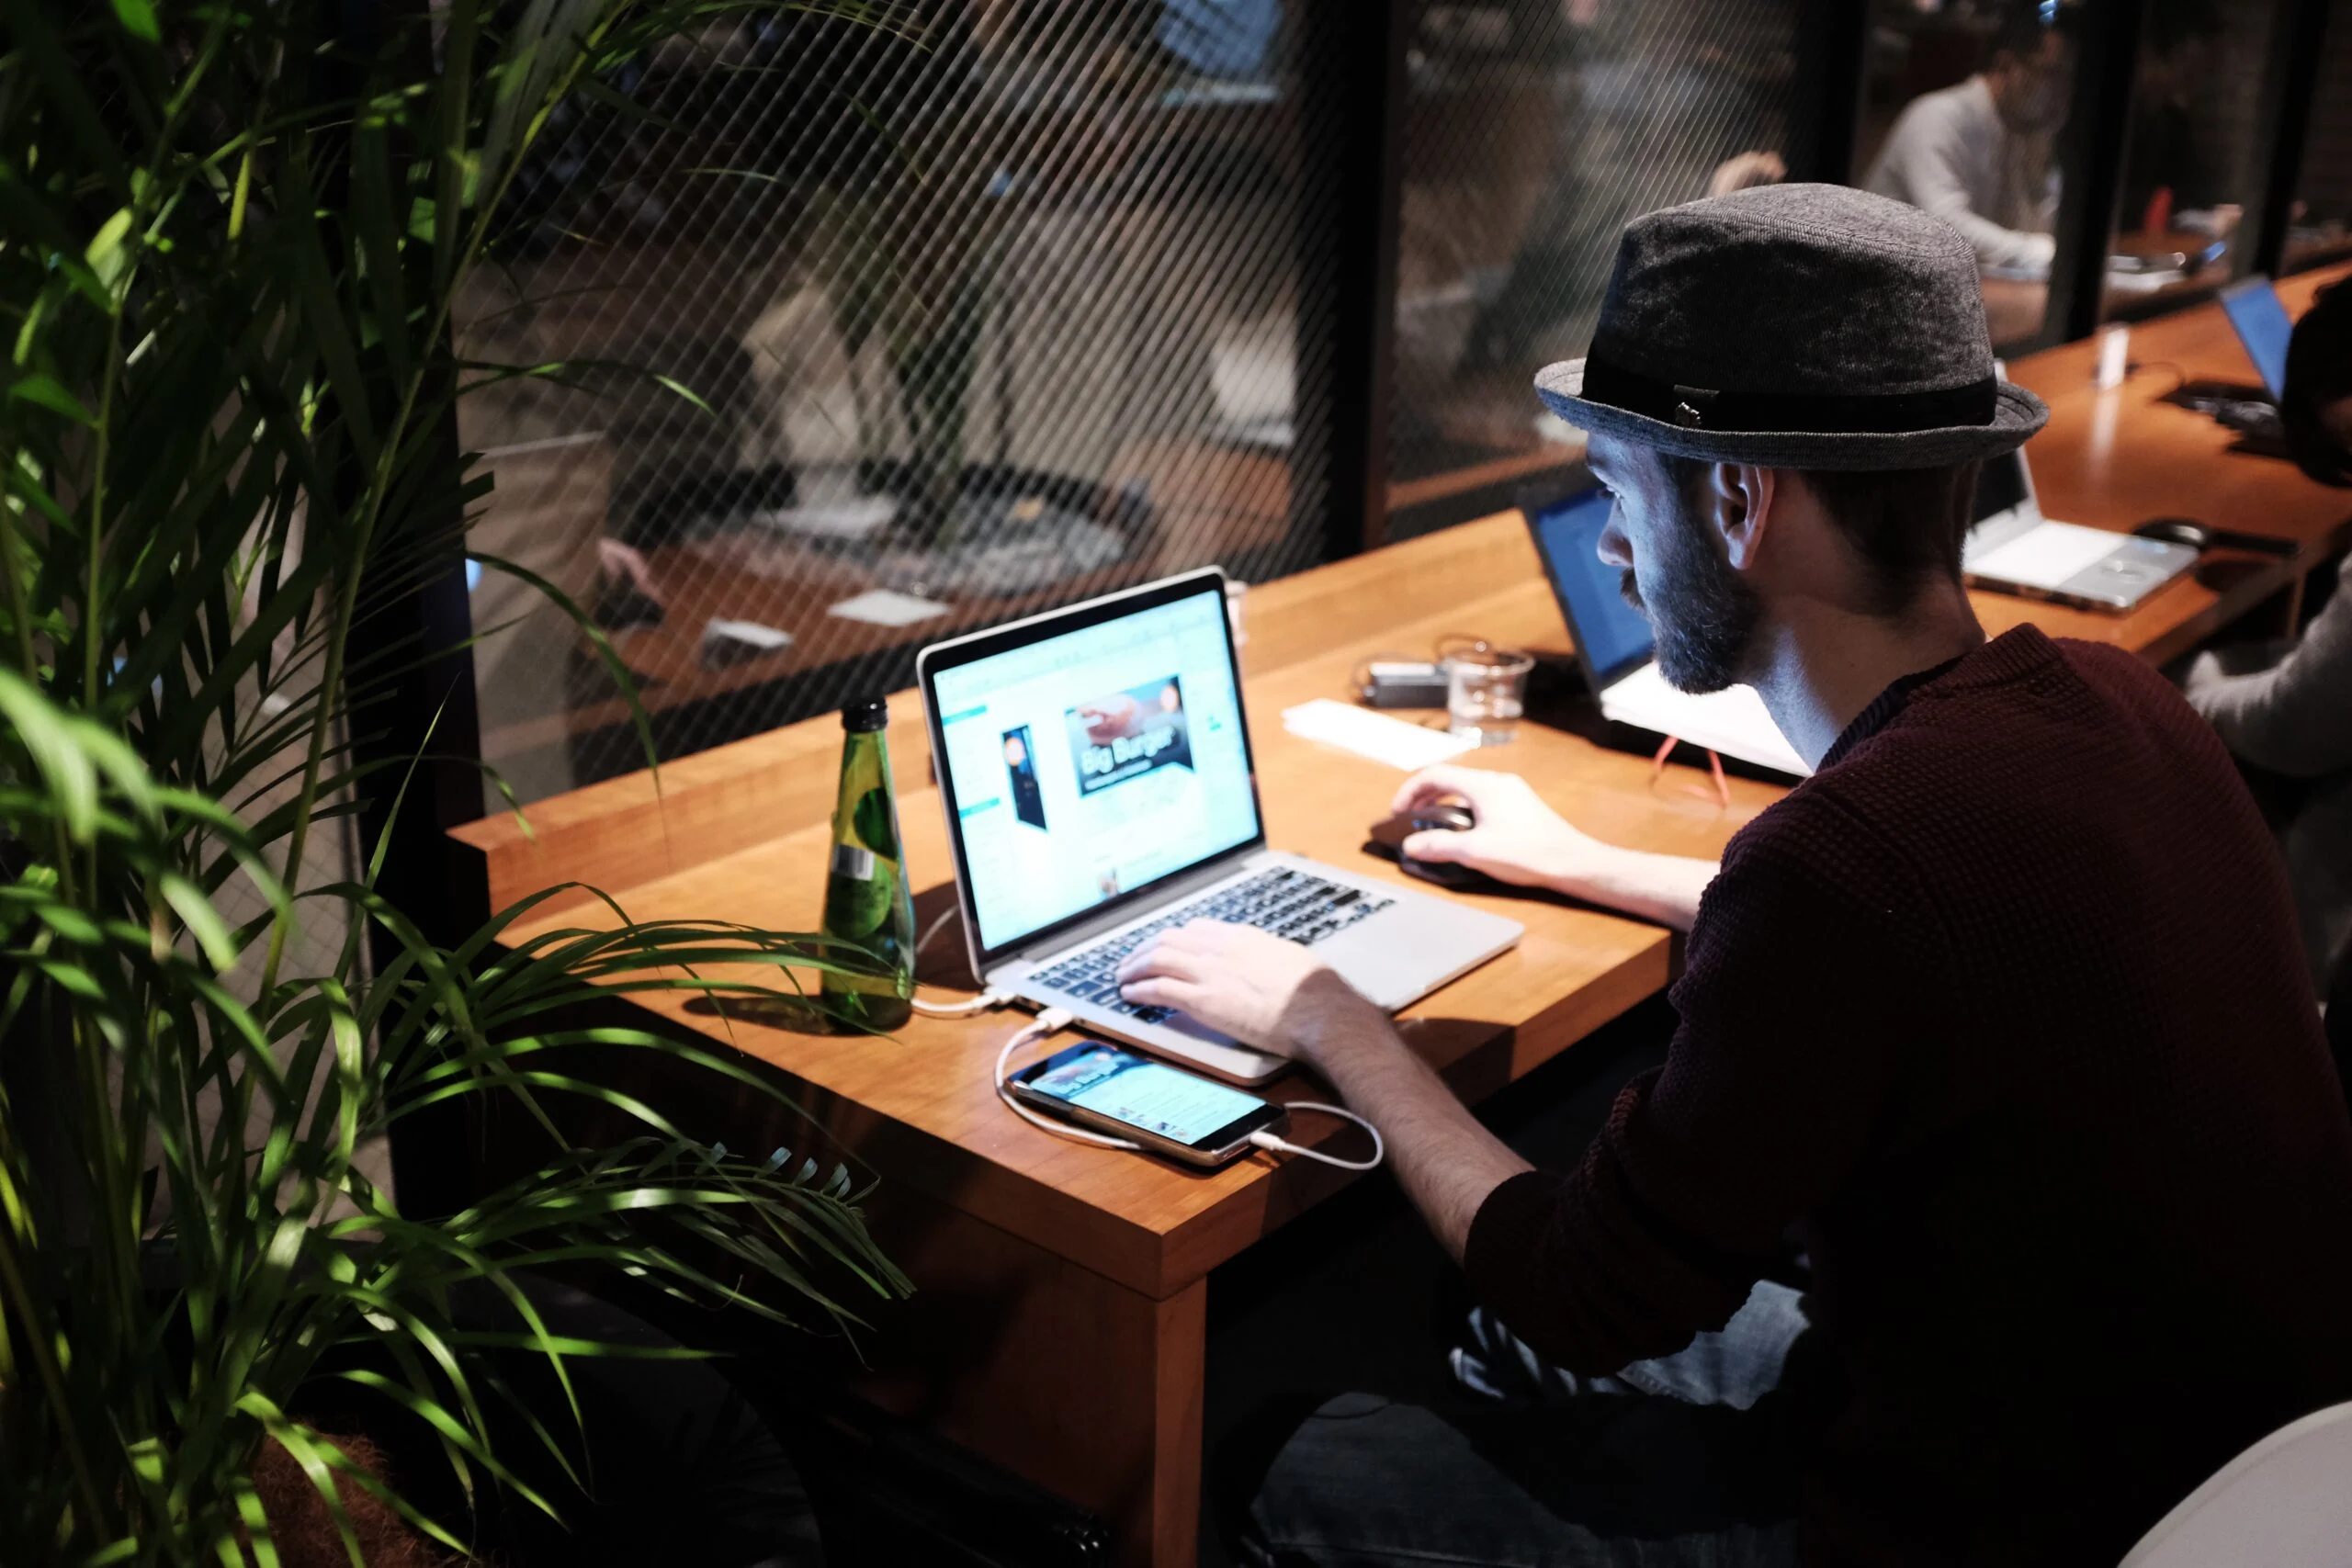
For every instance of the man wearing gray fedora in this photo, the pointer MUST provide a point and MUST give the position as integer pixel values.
(2001, 1014)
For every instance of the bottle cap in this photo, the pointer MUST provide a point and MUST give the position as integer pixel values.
(862, 715)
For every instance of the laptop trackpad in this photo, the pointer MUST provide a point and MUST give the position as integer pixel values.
(1219, 1053)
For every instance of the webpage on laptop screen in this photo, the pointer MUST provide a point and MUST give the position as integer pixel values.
(1094, 763)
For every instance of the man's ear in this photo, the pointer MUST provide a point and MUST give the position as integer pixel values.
(1740, 499)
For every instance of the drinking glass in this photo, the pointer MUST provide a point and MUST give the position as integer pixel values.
(1486, 691)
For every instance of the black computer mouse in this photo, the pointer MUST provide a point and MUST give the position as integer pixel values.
(2205, 537)
(1388, 843)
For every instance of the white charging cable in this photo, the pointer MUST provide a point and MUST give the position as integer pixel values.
(963, 1009)
(969, 1005)
(1054, 1020)
(1379, 1150)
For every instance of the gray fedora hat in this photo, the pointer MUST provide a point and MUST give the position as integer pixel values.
(1800, 326)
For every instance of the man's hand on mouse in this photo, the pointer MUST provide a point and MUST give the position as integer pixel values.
(1515, 837)
(1262, 990)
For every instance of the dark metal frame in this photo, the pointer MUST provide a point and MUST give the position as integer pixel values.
(2091, 166)
(1350, 221)
(1831, 35)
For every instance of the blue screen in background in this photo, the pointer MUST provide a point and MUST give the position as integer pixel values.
(1613, 635)
(2263, 327)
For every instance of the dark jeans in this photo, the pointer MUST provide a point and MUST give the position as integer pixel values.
(1687, 1460)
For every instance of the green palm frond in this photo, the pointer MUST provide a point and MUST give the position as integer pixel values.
(231, 238)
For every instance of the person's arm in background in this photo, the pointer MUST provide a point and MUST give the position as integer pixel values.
(1520, 839)
(2296, 717)
(1920, 164)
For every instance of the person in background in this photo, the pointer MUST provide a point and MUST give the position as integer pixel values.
(2291, 713)
(1977, 154)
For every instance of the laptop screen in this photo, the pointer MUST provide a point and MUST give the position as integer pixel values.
(1613, 638)
(1088, 764)
(2001, 486)
(2263, 327)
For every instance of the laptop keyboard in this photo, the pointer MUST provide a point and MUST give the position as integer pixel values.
(1294, 903)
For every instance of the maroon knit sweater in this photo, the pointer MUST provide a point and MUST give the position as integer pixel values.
(2002, 1011)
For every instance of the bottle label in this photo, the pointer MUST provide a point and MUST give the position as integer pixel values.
(852, 861)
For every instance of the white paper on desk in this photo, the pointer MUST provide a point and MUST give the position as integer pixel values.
(1373, 735)
(2046, 556)
(888, 608)
(1734, 721)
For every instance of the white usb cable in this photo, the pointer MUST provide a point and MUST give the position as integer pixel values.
(1379, 1150)
(991, 998)
(965, 1008)
(1054, 1020)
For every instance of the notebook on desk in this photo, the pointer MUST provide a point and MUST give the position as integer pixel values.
(1615, 645)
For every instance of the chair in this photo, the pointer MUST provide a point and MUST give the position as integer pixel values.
(2284, 1502)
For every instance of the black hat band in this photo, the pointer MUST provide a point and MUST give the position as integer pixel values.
(1704, 407)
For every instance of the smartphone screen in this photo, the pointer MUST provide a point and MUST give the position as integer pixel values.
(1148, 1096)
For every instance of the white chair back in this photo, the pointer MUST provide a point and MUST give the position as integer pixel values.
(2284, 1502)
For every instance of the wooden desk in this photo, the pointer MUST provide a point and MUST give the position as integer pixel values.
(1087, 1257)
(1033, 1253)
(2115, 459)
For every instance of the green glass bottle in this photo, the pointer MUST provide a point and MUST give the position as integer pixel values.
(866, 901)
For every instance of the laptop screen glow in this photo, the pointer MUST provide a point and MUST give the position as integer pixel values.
(1094, 763)
(2263, 327)
(1614, 636)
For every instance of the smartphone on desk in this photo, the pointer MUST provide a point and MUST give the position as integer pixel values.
(1166, 1110)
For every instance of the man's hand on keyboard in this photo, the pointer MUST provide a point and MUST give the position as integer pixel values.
(1256, 986)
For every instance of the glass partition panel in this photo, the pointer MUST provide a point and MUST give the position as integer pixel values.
(1533, 129)
(1964, 107)
(2193, 151)
(2319, 225)
(854, 336)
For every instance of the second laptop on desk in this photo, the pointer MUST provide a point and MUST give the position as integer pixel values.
(1096, 769)
(1614, 646)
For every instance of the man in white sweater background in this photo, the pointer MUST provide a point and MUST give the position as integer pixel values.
(1978, 155)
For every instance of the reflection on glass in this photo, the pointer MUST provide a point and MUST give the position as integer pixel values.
(1534, 129)
(2319, 224)
(1964, 105)
(974, 317)
(2190, 157)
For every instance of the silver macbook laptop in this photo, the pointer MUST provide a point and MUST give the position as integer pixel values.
(1614, 642)
(1096, 771)
(2013, 548)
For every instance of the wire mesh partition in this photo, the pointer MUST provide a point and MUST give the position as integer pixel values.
(871, 332)
(1533, 131)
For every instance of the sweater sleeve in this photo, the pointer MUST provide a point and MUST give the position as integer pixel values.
(1920, 164)
(1803, 987)
(2296, 717)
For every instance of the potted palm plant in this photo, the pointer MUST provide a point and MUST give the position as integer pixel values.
(230, 239)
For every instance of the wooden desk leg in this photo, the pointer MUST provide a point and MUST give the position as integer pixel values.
(1087, 1388)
